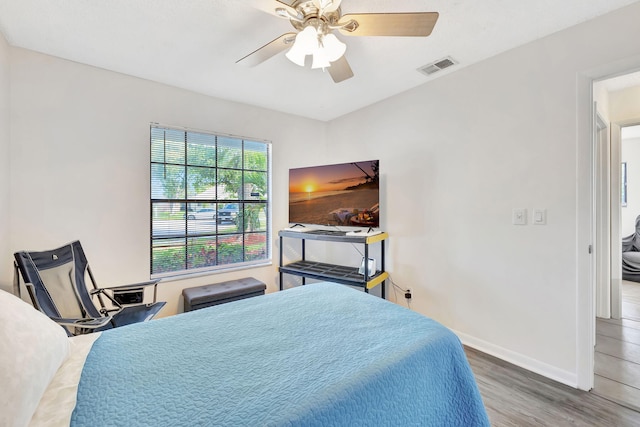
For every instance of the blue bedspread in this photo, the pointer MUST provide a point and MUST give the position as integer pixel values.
(316, 355)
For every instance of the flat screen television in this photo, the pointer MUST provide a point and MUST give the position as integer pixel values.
(345, 194)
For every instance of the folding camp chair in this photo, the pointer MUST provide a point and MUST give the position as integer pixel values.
(56, 283)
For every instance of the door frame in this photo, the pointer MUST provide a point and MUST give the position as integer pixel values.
(616, 217)
(602, 214)
(585, 309)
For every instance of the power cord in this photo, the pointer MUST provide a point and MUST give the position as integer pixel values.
(407, 292)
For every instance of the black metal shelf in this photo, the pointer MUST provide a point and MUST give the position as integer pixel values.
(334, 272)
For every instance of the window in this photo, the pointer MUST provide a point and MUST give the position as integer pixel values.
(209, 201)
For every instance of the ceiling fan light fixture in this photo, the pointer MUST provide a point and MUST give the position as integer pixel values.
(306, 43)
(297, 56)
(325, 48)
(320, 59)
(315, 22)
(327, 5)
(333, 47)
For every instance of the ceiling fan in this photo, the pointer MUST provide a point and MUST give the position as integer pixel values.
(316, 21)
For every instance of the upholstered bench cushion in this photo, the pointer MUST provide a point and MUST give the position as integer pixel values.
(220, 293)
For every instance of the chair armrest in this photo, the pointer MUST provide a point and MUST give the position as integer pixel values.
(629, 243)
(153, 283)
(87, 322)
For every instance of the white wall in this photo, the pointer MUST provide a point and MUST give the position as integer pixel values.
(624, 105)
(631, 155)
(80, 162)
(5, 147)
(601, 98)
(458, 154)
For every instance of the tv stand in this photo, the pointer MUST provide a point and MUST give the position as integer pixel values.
(332, 272)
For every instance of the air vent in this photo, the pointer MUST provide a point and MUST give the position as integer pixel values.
(438, 65)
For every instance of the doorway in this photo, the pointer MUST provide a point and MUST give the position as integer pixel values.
(617, 349)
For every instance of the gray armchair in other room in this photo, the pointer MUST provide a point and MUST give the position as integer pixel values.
(631, 255)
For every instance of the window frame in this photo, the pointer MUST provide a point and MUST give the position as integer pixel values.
(243, 203)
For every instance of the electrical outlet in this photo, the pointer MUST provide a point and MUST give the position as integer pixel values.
(407, 294)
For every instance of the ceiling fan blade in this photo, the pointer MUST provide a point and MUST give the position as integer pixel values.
(418, 24)
(340, 70)
(268, 50)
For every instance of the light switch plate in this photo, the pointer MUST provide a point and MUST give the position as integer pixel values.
(519, 216)
(539, 216)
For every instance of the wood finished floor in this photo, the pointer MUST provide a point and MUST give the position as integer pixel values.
(516, 397)
(617, 357)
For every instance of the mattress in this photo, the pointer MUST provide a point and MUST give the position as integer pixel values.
(320, 354)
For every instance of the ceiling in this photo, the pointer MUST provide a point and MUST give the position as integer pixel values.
(617, 83)
(194, 44)
(630, 132)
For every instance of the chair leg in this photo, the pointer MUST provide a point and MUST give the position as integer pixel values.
(16, 280)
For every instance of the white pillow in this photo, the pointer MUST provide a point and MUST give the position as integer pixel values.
(32, 348)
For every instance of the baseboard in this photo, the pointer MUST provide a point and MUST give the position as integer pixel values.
(525, 362)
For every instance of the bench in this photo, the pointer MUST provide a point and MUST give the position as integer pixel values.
(220, 293)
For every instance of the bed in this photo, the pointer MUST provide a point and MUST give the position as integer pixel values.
(321, 354)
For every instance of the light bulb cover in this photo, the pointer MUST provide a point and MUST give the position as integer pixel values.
(296, 55)
(306, 43)
(333, 47)
(325, 48)
(320, 59)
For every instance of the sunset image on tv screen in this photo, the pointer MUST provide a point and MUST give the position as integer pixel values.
(345, 194)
